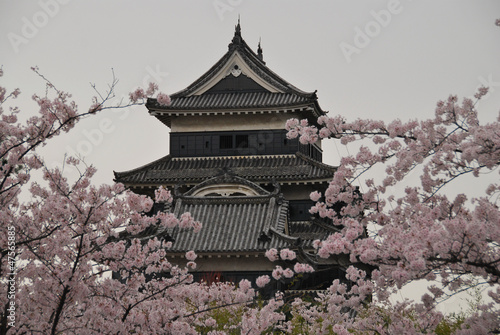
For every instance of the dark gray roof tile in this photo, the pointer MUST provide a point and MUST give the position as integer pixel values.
(169, 170)
(231, 224)
(240, 100)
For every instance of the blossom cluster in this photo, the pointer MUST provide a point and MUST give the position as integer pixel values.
(84, 266)
(278, 273)
(139, 95)
(406, 231)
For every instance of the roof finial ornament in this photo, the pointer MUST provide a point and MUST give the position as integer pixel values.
(237, 29)
(237, 32)
(259, 52)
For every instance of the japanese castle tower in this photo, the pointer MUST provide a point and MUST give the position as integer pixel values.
(232, 167)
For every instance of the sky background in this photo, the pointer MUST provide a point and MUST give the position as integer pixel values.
(367, 59)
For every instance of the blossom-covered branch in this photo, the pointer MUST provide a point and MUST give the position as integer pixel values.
(79, 261)
(417, 231)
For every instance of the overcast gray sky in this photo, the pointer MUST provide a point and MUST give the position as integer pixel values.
(377, 59)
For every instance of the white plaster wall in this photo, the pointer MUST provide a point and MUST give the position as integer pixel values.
(229, 122)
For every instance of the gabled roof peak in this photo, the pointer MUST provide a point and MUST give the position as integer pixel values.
(239, 80)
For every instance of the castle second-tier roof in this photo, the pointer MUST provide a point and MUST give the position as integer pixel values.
(193, 170)
(231, 224)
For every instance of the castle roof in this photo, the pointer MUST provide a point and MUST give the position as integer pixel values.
(234, 224)
(193, 170)
(240, 81)
(225, 186)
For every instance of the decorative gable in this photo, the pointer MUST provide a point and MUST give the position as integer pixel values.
(236, 83)
(236, 70)
(227, 184)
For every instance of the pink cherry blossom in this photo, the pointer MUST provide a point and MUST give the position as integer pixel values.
(262, 281)
(191, 255)
(137, 95)
(302, 268)
(315, 196)
(152, 88)
(287, 254)
(163, 99)
(162, 195)
(277, 272)
(272, 255)
(245, 284)
(288, 273)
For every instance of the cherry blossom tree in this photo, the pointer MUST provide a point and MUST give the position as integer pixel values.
(72, 257)
(419, 231)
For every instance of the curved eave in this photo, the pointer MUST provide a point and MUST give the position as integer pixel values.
(189, 183)
(164, 115)
(285, 169)
(234, 101)
(119, 176)
(192, 182)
